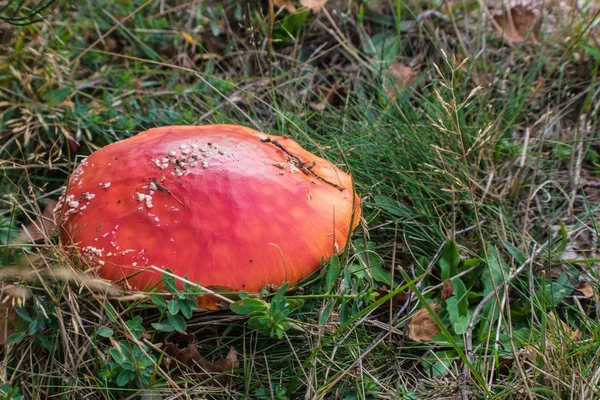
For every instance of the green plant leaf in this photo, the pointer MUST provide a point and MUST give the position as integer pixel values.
(159, 301)
(449, 260)
(177, 322)
(259, 322)
(345, 312)
(23, 314)
(173, 306)
(57, 96)
(381, 275)
(135, 326)
(293, 23)
(111, 313)
(516, 253)
(105, 331)
(163, 326)
(187, 306)
(554, 292)
(333, 271)
(438, 363)
(281, 292)
(471, 262)
(15, 338)
(458, 307)
(169, 282)
(274, 308)
(383, 46)
(248, 306)
(393, 207)
(47, 344)
(495, 273)
(33, 326)
(564, 239)
(368, 259)
(125, 377)
(326, 312)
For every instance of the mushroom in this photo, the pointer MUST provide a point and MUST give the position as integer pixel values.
(228, 207)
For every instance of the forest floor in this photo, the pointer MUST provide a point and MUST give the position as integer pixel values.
(471, 131)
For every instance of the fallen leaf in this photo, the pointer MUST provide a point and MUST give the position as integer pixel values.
(73, 145)
(181, 348)
(556, 333)
(168, 51)
(314, 5)
(112, 44)
(403, 74)
(188, 38)
(448, 289)
(505, 366)
(518, 23)
(225, 364)
(287, 4)
(586, 289)
(398, 299)
(43, 226)
(329, 96)
(6, 32)
(422, 327)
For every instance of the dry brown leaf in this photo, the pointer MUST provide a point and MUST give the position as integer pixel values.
(314, 5)
(422, 327)
(505, 366)
(519, 23)
(400, 76)
(404, 74)
(225, 364)
(43, 226)
(448, 290)
(188, 38)
(6, 32)
(287, 4)
(329, 96)
(555, 333)
(586, 289)
(181, 348)
(400, 298)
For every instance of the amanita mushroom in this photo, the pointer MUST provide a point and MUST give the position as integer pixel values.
(228, 207)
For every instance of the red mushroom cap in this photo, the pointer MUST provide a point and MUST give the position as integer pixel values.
(224, 205)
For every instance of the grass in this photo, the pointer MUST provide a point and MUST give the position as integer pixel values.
(480, 155)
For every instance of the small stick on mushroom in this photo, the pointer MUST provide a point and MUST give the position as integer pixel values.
(302, 165)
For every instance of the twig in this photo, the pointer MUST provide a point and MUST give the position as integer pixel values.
(301, 165)
(163, 188)
(576, 166)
